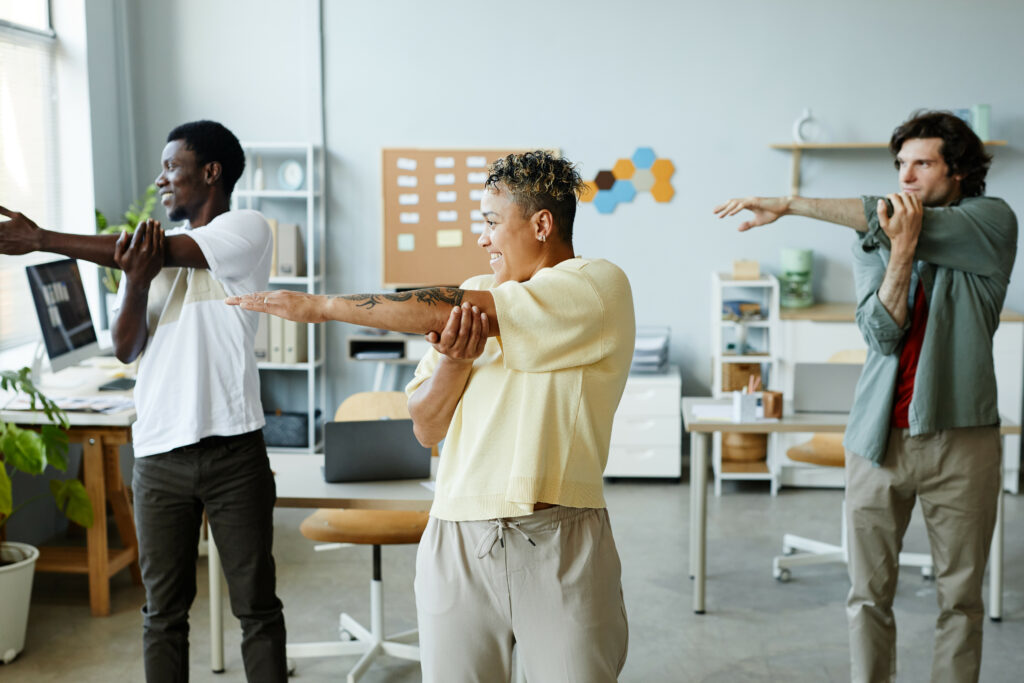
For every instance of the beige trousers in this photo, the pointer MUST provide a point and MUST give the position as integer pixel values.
(549, 582)
(955, 474)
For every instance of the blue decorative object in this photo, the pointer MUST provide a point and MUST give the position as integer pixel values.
(643, 157)
(605, 201)
(623, 191)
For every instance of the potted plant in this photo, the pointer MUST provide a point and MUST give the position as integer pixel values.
(30, 451)
(137, 212)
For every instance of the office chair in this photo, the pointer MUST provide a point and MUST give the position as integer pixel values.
(366, 527)
(826, 450)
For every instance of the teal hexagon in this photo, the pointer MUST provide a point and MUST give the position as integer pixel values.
(623, 191)
(605, 201)
(643, 157)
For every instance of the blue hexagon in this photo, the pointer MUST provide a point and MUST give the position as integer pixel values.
(623, 190)
(643, 157)
(605, 201)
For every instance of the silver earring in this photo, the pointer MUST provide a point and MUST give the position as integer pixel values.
(542, 238)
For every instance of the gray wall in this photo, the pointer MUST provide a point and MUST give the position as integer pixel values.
(708, 86)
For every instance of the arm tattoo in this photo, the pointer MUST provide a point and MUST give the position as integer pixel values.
(431, 296)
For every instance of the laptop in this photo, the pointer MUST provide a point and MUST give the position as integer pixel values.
(825, 387)
(373, 450)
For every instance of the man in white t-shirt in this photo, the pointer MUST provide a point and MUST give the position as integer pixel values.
(198, 441)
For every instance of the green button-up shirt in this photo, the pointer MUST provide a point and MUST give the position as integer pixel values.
(964, 258)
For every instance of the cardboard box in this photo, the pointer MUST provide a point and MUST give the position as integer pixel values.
(291, 257)
(295, 338)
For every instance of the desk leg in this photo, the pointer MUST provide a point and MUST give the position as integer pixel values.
(117, 494)
(96, 536)
(698, 516)
(216, 605)
(995, 561)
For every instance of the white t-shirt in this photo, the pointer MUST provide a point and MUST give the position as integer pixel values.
(197, 375)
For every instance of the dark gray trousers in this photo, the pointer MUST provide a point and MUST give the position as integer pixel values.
(230, 477)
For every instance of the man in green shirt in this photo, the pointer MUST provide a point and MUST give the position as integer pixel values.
(931, 267)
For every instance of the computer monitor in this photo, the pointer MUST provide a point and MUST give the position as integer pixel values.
(63, 312)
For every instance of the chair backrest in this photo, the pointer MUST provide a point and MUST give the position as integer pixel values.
(374, 405)
(849, 356)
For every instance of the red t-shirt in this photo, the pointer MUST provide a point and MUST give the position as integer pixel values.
(909, 356)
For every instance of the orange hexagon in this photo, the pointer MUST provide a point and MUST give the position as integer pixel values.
(662, 169)
(589, 191)
(623, 169)
(662, 190)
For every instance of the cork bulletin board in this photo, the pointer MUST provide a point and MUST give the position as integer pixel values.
(432, 215)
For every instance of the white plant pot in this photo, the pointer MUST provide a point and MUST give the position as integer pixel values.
(15, 595)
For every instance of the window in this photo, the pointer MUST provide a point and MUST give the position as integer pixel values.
(29, 169)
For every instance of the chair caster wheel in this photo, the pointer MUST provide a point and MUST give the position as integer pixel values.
(788, 550)
(343, 634)
(783, 576)
(928, 573)
(291, 667)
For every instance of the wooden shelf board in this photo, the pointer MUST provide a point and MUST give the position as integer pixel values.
(75, 560)
(752, 467)
(853, 145)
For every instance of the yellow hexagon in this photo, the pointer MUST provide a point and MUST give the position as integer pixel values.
(589, 191)
(662, 169)
(662, 190)
(623, 169)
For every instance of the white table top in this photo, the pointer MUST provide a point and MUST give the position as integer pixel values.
(80, 381)
(300, 484)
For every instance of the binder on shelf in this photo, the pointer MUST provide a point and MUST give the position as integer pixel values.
(276, 339)
(291, 257)
(273, 248)
(261, 344)
(295, 342)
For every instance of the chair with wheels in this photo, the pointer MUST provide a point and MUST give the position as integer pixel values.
(343, 527)
(826, 450)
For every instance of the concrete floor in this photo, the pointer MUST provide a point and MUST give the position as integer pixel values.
(756, 629)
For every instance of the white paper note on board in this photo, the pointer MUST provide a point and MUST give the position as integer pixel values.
(406, 164)
(476, 195)
(408, 217)
(476, 215)
(477, 228)
(406, 241)
(444, 179)
(476, 177)
(407, 181)
(476, 162)
(449, 238)
(447, 216)
(447, 196)
(408, 199)
(444, 162)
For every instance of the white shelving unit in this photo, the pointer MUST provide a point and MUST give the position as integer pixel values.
(293, 387)
(755, 341)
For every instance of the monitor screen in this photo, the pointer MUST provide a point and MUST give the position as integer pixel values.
(63, 312)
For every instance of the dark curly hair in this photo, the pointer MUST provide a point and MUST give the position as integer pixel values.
(210, 141)
(962, 150)
(539, 180)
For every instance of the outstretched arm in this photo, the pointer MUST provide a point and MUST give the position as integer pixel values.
(21, 235)
(848, 212)
(419, 311)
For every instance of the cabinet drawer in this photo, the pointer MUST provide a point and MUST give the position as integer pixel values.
(647, 397)
(646, 430)
(633, 461)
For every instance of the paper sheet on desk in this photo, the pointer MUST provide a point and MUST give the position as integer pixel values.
(80, 404)
(429, 485)
(721, 413)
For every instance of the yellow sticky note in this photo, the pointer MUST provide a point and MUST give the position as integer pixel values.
(449, 238)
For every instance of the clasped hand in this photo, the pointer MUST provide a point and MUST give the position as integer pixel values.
(904, 226)
(464, 335)
(141, 256)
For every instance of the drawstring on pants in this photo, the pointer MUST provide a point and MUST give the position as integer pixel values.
(496, 534)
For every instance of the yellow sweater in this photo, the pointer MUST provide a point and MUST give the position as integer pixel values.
(535, 418)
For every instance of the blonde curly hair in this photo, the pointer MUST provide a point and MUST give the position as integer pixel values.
(539, 180)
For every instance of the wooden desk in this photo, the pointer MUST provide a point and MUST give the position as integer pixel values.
(300, 484)
(800, 422)
(101, 437)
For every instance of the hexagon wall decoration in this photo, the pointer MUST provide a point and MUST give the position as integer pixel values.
(642, 172)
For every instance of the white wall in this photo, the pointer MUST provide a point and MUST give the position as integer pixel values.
(708, 85)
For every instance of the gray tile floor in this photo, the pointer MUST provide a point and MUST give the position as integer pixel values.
(756, 629)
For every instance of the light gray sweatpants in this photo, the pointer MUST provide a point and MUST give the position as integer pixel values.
(549, 582)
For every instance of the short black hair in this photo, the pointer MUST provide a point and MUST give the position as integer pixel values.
(962, 150)
(540, 180)
(210, 141)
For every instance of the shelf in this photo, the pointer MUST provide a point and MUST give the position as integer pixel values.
(797, 148)
(275, 194)
(291, 366)
(748, 323)
(748, 358)
(303, 280)
(729, 281)
(277, 146)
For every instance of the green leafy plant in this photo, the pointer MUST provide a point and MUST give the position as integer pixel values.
(139, 211)
(30, 451)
